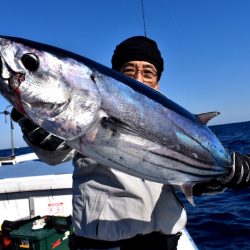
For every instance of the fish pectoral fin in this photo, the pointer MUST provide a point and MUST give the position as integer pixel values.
(115, 124)
(187, 189)
(204, 118)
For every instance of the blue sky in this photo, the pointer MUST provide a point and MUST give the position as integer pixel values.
(205, 44)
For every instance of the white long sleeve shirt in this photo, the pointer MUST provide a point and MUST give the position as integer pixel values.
(111, 205)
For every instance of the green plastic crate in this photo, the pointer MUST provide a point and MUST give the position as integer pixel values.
(48, 238)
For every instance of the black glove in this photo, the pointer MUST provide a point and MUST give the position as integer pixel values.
(238, 178)
(240, 174)
(36, 135)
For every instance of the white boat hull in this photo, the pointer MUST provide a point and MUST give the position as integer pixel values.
(33, 188)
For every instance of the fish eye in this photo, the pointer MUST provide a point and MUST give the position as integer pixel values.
(30, 61)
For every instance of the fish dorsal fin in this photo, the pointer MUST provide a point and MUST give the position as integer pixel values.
(204, 118)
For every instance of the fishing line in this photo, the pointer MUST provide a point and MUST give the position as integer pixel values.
(143, 18)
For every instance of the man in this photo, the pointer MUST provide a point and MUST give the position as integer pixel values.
(113, 210)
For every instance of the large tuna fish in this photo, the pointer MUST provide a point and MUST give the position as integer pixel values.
(109, 117)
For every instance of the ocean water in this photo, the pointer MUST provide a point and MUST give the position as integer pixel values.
(17, 151)
(220, 221)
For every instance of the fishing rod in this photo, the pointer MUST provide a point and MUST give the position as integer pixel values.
(143, 18)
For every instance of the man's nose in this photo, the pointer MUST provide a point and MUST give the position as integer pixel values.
(138, 76)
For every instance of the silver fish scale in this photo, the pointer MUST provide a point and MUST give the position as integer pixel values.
(110, 118)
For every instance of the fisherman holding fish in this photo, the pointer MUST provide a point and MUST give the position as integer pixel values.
(115, 210)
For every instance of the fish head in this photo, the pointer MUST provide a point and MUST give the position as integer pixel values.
(47, 87)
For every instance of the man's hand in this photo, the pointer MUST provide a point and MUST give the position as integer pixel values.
(36, 135)
(238, 178)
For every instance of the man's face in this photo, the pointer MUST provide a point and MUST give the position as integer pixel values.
(141, 71)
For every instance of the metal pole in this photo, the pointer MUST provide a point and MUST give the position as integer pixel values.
(6, 113)
(12, 137)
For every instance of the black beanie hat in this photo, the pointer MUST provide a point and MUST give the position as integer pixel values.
(137, 48)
